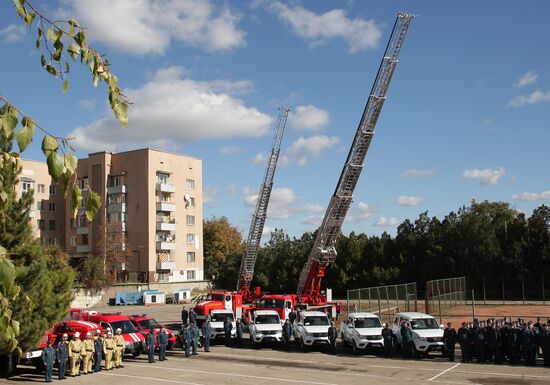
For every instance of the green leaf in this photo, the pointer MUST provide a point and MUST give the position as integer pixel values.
(58, 45)
(49, 145)
(19, 3)
(43, 60)
(64, 183)
(51, 70)
(76, 199)
(55, 165)
(3, 196)
(80, 38)
(7, 270)
(15, 326)
(24, 136)
(39, 32)
(38, 41)
(67, 66)
(53, 34)
(65, 86)
(9, 123)
(29, 18)
(70, 162)
(2, 250)
(74, 50)
(93, 204)
(73, 23)
(121, 112)
(21, 11)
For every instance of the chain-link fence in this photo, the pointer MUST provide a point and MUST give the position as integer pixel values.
(443, 294)
(383, 300)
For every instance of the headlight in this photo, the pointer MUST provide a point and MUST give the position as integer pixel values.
(422, 339)
(309, 334)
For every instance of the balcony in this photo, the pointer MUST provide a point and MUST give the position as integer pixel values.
(165, 245)
(165, 187)
(120, 189)
(82, 230)
(117, 227)
(166, 226)
(166, 206)
(168, 265)
(82, 249)
(116, 208)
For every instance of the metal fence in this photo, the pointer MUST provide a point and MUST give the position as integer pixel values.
(511, 289)
(383, 300)
(443, 294)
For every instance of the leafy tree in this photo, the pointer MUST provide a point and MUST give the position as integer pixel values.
(221, 240)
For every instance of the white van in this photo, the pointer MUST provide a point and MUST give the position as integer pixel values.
(217, 318)
(427, 334)
(362, 331)
(265, 327)
(311, 328)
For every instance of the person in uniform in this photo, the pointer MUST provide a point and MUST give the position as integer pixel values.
(62, 356)
(48, 357)
(406, 337)
(546, 344)
(227, 328)
(109, 347)
(192, 316)
(150, 339)
(332, 335)
(184, 316)
(529, 345)
(98, 351)
(512, 344)
(188, 337)
(75, 351)
(195, 338)
(479, 342)
(387, 335)
(449, 340)
(287, 333)
(240, 332)
(206, 331)
(463, 340)
(88, 351)
(292, 316)
(163, 343)
(119, 348)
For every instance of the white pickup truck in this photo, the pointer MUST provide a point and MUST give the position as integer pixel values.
(362, 331)
(265, 327)
(311, 329)
(217, 318)
(427, 335)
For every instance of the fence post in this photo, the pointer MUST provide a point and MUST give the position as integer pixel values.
(370, 308)
(388, 304)
(347, 300)
(473, 306)
(397, 297)
(359, 299)
(439, 302)
(378, 296)
(407, 295)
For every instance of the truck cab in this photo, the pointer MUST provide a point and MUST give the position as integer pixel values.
(281, 303)
(219, 300)
(362, 331)
(217, 319)
(427, 334)
(311, 329)
(135, 342)
(265, 327)
(143, 324)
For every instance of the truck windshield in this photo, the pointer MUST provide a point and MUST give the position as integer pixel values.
(271, 303)
(266, 319)
(367, 323)
(125, 325)
(424, 323)
(220, 317)
(149, 324)
(315, 321)
(215, 297)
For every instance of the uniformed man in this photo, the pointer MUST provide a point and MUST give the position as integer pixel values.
(163, 343)
(292, 316)
(529, 345)
(98, 351)
(406, 337)
(119, 348)
(479, 342)
(109, 347)
(227, 328)
(463, 340)
(240, 332)
(449, 340)
(192, 316)
(75, 351)
(387, 335)
(332, 335)
(188, 338)
(206, 330)
(287, 333)
(88, 351)
(184, 316)
(490, 340)
(62, 356)
(512, 344)
(546, 344)
(150, 340)
(48, 357)
(195, 338)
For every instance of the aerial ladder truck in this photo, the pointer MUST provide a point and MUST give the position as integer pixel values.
(243, 295)
(323, 253)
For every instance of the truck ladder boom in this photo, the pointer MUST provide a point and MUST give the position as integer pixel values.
(258, 218)
(323, 252)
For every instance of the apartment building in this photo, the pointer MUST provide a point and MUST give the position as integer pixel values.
(151, 216)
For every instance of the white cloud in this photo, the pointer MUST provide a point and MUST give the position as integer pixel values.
(361, 213)
(209, 195)
(313, 207)
(304, 148)
(313, 220)
(12, 33)
(385, 222)
(228, 150)
(404, 200)
(87, 104)
(316, 29)
(148, 26)
(170, 109)
(527, 78)
(308, 118)
(414, 173)
(260, 158)
(527, 196)
(281, 202)
(536, 97)
(486, 177)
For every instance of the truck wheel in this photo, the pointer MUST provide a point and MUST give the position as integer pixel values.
(412, 350)
(38, 364)
(8, 365)
(135, 354)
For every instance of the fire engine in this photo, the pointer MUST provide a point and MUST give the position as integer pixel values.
(143, 324)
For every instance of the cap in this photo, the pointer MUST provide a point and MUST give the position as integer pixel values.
(119, 330)
(98, 332)
(48, 342)
(77, 334)
(65, 336)
(88, 334)
(109, 333)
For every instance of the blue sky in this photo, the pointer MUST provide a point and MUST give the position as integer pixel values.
(467, 113)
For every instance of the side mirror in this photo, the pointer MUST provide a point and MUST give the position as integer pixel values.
(442, 326)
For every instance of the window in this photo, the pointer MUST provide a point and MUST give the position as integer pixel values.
(116, 198)
(73, 241)
(51, 207)
(27, 185)
(190, 220)
(52, 190)
(190, 183)
(117, 217)
(114, 181)
(162, 178)
(52, 224)
(190, 256)
(190, 275)
(41, 188)
(40, 206)
(190, 238)
(42, 224)
(82, 183)
(81, 221)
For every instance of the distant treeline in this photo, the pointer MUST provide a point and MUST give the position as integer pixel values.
(490, 243)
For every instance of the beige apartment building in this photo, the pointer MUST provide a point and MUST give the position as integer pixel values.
(151, 217)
